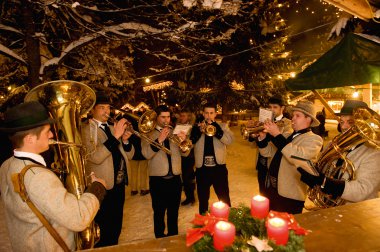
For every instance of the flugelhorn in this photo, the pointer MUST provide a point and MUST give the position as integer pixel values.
(257, 129)
(146, 123)
(209, 129)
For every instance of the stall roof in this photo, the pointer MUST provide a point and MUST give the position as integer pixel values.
(354, 60)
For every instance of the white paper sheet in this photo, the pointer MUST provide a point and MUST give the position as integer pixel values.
(265, 114)
(182, 127)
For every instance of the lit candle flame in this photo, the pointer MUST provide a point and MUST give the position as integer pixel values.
(219, 204)
(259, 198)
(276, 222)
(223, 225)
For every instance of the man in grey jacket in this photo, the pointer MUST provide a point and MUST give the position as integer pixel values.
(108, 150)
(365, 158)
(28, 126)
(210, 158)
(286, 192)
(164, 174)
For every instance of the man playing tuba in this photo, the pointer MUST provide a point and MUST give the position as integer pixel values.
(365, 158)
(41, 191)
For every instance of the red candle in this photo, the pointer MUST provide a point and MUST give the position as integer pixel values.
(220, 210)
(224, 235)
(259, 207)
(277, 230)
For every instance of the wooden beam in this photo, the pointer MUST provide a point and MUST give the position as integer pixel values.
(324, 102)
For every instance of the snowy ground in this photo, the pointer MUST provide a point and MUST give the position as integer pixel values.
(138, 214)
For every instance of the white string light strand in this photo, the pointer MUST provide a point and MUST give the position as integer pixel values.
(234, 54)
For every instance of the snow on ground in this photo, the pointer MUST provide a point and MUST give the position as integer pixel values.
(138, 214)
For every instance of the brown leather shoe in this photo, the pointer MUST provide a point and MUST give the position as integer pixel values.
(133, 193)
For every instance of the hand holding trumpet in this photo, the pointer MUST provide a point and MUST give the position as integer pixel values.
(271, 128)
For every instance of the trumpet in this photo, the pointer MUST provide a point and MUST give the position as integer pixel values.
(254, 130)
(184, 145)
(146, 123)
(209, 129)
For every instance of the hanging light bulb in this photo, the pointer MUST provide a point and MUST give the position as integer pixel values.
(147, 80)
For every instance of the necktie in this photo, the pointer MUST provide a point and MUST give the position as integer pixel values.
(107, 129)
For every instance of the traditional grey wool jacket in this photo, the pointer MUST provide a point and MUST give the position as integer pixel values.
(99, 158)
(158, 164)
(220, 146)
(366, 185)
(63, 210)
(307, 146)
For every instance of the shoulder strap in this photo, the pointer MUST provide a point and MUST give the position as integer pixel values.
(19, 187)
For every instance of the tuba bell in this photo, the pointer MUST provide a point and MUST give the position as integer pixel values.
(66, 102)
(365, 130)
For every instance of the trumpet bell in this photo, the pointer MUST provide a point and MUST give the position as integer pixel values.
(210, 130)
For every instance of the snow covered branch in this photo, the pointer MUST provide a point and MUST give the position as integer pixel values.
(8, 52)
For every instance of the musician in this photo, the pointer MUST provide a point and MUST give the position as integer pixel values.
(365, 158)
(164, 174)
(286, 192)
(139, 166)
(187, 164)
(277, 106)
(28, 126)
(210, 158)
(108, 149)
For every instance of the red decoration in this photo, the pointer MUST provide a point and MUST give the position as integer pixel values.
(289, 218)
(259, 207)
(277, 230)
(208, 225)
(224, 235)
(220, 209)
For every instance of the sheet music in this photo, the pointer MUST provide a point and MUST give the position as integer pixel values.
(182, 127)
(265, 114)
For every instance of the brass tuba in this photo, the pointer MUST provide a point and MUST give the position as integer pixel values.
(66, 102)
(366, 129)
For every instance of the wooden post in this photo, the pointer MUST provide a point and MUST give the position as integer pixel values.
(324, 102)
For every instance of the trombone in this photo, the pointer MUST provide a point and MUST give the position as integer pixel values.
(146, 123)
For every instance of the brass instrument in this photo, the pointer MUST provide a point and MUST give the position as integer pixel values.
(366, 129)
(184, 145)
(66, 102)
(209, 129)
(146, 123)
(247, 131)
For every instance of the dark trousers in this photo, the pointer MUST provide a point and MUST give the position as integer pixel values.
(282, 204)
(188, 177)
(166, 197)
(212, 176)
(262, 172)
(110, 216)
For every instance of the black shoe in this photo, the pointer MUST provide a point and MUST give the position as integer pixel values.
(144, 192)
(187, 202)
(133, 193)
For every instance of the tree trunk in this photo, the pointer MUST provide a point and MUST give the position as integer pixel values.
(224, 111)
(32, 44)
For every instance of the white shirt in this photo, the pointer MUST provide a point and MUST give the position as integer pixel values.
(278, 118)
(99, 123)
(30, 155)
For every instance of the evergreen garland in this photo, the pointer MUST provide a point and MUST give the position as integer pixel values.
(246, 226)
